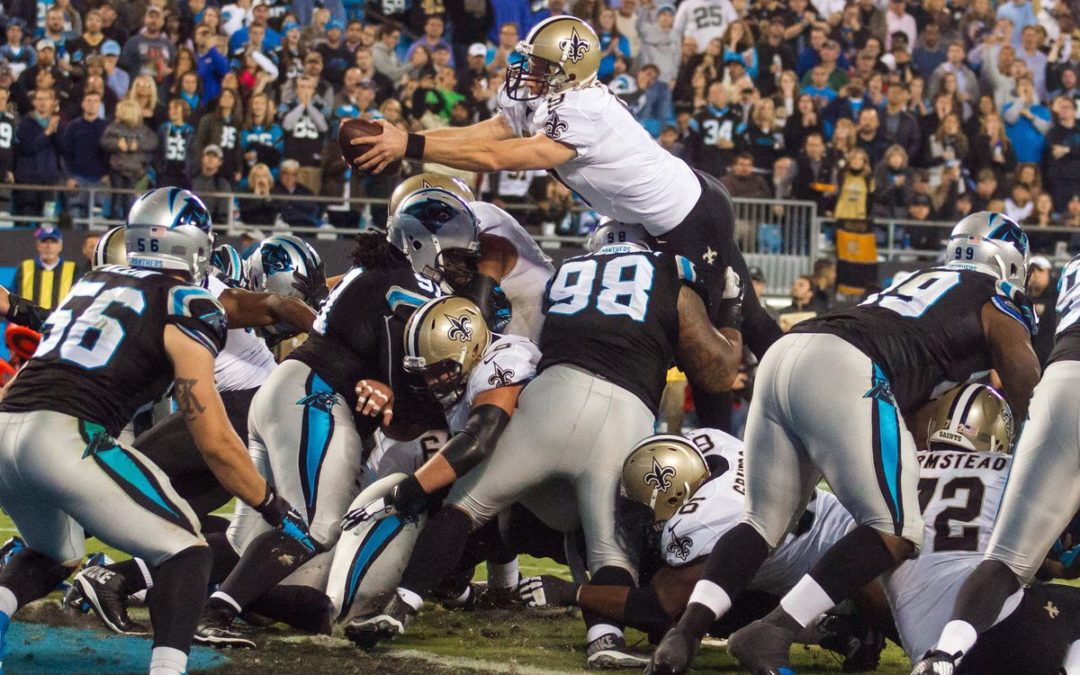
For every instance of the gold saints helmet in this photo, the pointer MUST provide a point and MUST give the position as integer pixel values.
(663, 472)
(971, 417)
(110, 249)
(559, 53)
(444, 340)
(430, 179)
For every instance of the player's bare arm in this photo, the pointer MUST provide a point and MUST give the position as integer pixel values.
(439, 471)
(708, 356)
(489, 154)
(246, 309)
(1012, 358)
(492, 129)
(198, 400)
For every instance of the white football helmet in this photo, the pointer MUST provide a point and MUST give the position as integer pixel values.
(611, 232)
(439, 234)
(168, 230)
(991, 243)
(275, 264)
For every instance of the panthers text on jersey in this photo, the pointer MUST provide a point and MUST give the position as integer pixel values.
(359, 334)
(616, 315)
(959, 493)
(925, 332)
(524, 283)
(718, 504)
(102, 355)
(1067, 340)
(619, 170)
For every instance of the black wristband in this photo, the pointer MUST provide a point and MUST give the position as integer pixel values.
(414, 147)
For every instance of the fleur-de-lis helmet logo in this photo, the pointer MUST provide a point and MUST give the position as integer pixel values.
(660, 476)
(460, 328)
(574, 47)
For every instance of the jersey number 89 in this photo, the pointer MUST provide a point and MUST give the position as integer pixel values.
(624, 287)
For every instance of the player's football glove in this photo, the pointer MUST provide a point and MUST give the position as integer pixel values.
(281, 515)
(729, 307)
(547, 591)
(22, 312)
(313, 289)
(376, 510)
(406, 499)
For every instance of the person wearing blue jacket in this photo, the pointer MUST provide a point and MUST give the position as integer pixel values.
(210, 63)
(37, 153)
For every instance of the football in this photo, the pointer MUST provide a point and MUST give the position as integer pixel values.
(359, 128)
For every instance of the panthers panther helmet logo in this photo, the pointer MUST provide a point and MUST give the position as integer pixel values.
(574, 46)
(322, 400)
(460, 328)
(660, 476)
(276, 259)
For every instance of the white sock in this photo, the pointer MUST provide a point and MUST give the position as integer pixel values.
(8, 604)
(806, 601)
(1071, 665)
(168, 661)
(503, 575)
(957, 637)
(712, 596)
(148, 579)
(411, 599)
(225, 597)
(601, 629)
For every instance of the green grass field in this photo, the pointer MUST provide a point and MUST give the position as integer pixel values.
(492, 642)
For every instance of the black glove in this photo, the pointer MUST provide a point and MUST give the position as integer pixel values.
(729, 304)
(313, 289)
(277, 511)
(547, 591)
(22, 312)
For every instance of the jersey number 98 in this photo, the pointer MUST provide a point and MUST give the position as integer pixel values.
(624, 287)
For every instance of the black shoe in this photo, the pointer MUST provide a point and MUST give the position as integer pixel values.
(937, 662)
(216, 630)
(609, 652)
(763, 647)
(103, 590)
(366, 632)
(674, 654)
(853, 638)
(497, 598)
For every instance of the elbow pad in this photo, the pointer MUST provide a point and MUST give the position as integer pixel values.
(474, 443)
(22, 312)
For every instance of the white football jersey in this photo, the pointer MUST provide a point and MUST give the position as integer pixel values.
(718, 505)
(619, 170)
(1068, 303)
(509, 360)
(960, 493)
(704, 20)
(524, 284)
(246, 361)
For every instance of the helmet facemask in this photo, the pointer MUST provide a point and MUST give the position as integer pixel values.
(532, 77)
(442, 381)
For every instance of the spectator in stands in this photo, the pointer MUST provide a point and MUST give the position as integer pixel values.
(46, 278)
(815, 177)
(803, 298)
(810, 55)
(869, 136)
(17, 55)
(1020, 13)
(649, 99)
(659, 41)
(847, 105)
(221, 128)
(85, 162)
(948, 145)
(898, 126)
(505, 51)
(336, 57)
(783, 176)
(856, 184)
(967, 83)
(762, 137)
(324, 92)
(86, 254)
(262, 140)
(986, 190)
(175, 136)
(81, 48)
(891, 183)
(713, 145)
(818, 87)
(432, 38)
(260, 209)
(897, 20)
(992, 150)
(209, 181)
(365, 65)
(743, 182)
(130, 146)
(149, 52)
(1063, 153)
(1019, 204)
(295, 213)
(144, 92)
(930, 51)
(212, 64)
(1032, 56)
(116, 77)
(835, 76)
(37, 154)
(304, 127)
(260, 16)
(1026, 122)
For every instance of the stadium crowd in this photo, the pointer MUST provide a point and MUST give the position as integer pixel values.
(906, 110)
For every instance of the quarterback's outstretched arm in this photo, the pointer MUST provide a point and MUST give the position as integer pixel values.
(493, 129)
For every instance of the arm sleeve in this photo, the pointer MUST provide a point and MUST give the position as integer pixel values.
(199, 315)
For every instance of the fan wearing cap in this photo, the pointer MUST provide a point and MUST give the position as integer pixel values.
(150, 51)
(14, 53)
(1043, 291)
(681, 494)
(46, 278)
(260, 16)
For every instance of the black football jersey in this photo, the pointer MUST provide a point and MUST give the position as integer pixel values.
(102, 353)
(926, 332)
(616, 315)
(359, 334)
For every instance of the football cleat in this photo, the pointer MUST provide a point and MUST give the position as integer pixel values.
(855, 639)
(763, 647)
(103, 590)
(609, 652)
(216, 630)
(673, 655)
(937, 662)
(366, 632)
